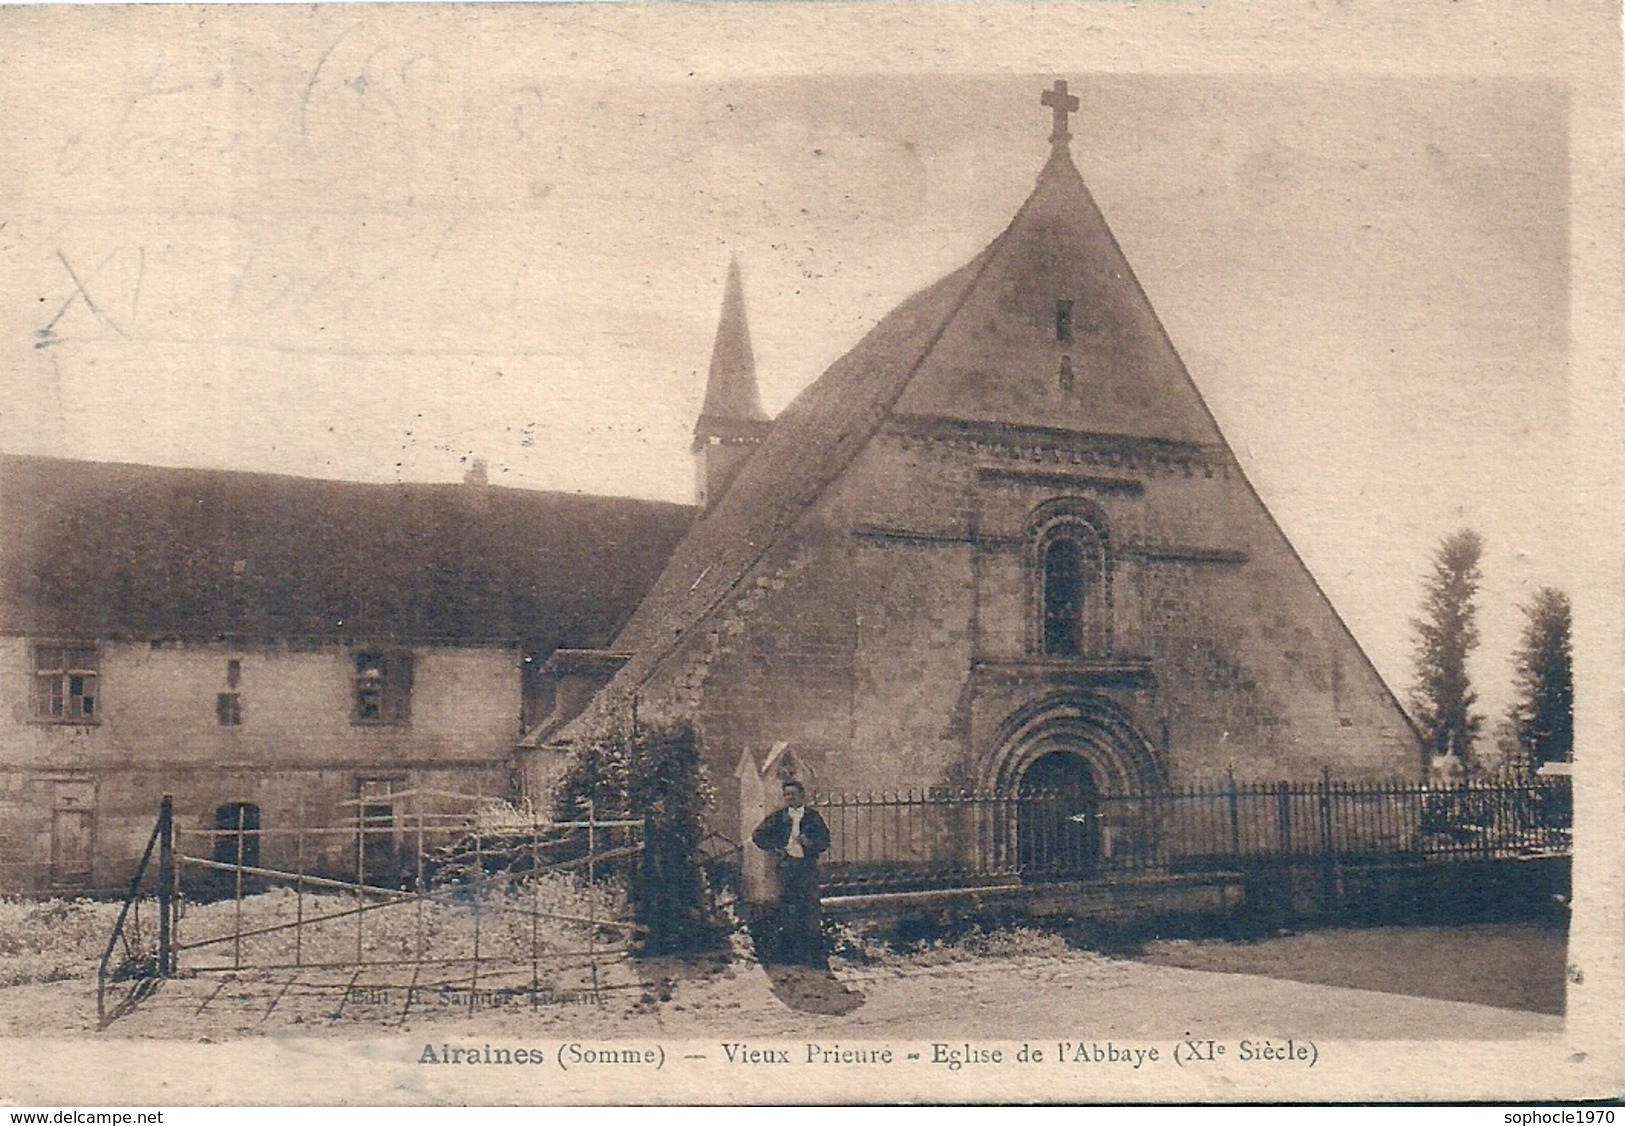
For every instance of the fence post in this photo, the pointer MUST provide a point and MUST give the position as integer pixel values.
(592, 893)
(166, 886)
(1235, 810)
(1326, 811)
(1328, 864)
(1283, 817)
(237, 893)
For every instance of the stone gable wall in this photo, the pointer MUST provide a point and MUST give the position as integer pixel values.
(888, 638)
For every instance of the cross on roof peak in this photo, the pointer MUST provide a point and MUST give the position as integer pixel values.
(1064, 105)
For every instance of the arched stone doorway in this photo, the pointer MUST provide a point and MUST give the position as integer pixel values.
(1069, 766)
(1058, 816)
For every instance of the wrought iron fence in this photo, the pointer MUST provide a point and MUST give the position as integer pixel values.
(943, 837)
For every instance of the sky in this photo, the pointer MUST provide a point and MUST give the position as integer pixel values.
(351, 243)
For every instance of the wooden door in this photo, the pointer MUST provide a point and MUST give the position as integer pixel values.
(73, 834)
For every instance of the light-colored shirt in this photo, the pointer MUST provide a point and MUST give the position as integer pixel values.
(794, 847)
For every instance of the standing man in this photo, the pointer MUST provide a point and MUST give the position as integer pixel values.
(796, 836)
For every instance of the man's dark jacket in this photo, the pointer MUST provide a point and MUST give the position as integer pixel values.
(773, 834)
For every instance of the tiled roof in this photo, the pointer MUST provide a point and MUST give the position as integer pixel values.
(110, 551)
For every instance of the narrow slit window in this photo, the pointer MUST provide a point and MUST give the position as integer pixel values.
(1074, 598)
(1063, 599)
(1063, 322)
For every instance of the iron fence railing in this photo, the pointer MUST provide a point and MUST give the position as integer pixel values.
(942, 836)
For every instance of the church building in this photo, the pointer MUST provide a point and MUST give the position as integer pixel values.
(1001, 543)
(1002, 540)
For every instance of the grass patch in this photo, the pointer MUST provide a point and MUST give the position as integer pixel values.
(52, 939)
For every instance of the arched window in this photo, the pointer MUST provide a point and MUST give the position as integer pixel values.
(237, 834)
(1063, 598)
(1074, 595)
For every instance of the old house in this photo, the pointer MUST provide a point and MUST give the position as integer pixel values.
(1000, 541)
(275, 650)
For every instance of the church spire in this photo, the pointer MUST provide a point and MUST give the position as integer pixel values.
(730, 391)
(731, 422)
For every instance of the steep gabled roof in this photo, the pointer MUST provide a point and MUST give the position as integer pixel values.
(110, 551)
(980, 345)
(810, 443)
(1001, 360)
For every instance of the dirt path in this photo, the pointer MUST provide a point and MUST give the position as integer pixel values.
(1071, 993)
(1510, 965)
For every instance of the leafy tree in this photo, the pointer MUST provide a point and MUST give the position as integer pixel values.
(654, 774)
(1447, 632)
(668, 790)
(1543, 715)
(599, 771)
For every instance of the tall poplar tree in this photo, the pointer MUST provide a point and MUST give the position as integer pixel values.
(1543, 714)
(1447, 631)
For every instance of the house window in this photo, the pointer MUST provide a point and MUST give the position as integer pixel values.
(383, 687)
(1074, 590)
(65, 683)
(234, 672)
(1063, 322)
(228, 709)
(237, 834)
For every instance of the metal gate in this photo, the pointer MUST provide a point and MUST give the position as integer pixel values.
(418, 896)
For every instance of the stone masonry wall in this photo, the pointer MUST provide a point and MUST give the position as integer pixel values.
(888, 637)
(297, 753)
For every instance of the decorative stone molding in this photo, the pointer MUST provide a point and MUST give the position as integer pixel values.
(1075, 672)
(1086, 724)
(1155, 553)
(988, 474)
(1037, 445)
